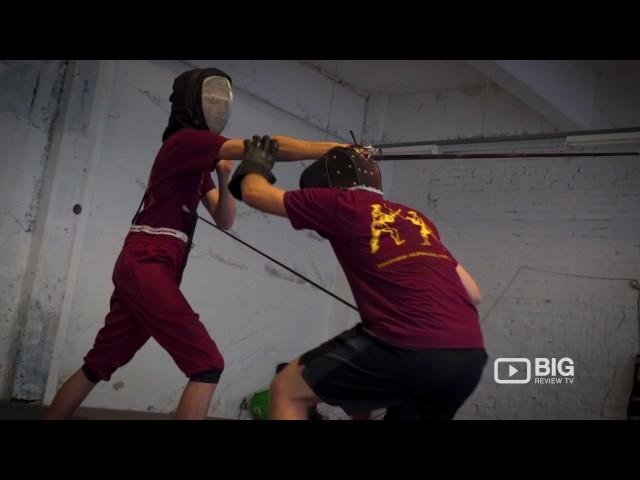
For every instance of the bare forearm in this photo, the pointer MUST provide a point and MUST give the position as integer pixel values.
(258, 193)
(292, 149)
(225, 211)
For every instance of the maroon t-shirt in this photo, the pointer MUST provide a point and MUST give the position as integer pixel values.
(181, 175)
(403, 278)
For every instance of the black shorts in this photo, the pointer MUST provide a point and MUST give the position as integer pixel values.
(360, 373)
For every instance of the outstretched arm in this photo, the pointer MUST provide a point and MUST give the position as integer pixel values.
(289, 149)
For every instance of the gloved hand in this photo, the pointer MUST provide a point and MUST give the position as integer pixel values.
(259, 157)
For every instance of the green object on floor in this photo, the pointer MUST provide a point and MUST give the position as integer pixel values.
(259, 405)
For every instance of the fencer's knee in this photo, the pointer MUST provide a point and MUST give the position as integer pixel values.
(281, 385)
(286, 386)
(207, 376)
(210, 370)
(92, 375)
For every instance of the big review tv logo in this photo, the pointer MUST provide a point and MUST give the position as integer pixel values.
(546, 370)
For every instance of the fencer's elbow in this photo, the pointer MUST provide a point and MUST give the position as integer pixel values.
(477, 298)
(223, 222)
(225, 225)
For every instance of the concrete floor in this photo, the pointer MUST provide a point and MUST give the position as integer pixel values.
(34, 411)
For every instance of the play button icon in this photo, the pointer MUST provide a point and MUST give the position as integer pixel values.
(513, 370)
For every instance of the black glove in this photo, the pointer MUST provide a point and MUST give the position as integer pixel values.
(259, 157)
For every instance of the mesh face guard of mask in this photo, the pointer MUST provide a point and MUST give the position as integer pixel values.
(217, 100)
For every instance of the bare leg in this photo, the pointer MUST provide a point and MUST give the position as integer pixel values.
(69, 397)
(289, 395)
(195, 401)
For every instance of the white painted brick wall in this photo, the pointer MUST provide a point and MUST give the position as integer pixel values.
(459, 113)
(29, 95)
(579, 216)
(258, 314)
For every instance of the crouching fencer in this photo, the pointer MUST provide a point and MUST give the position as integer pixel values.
(418, 350)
